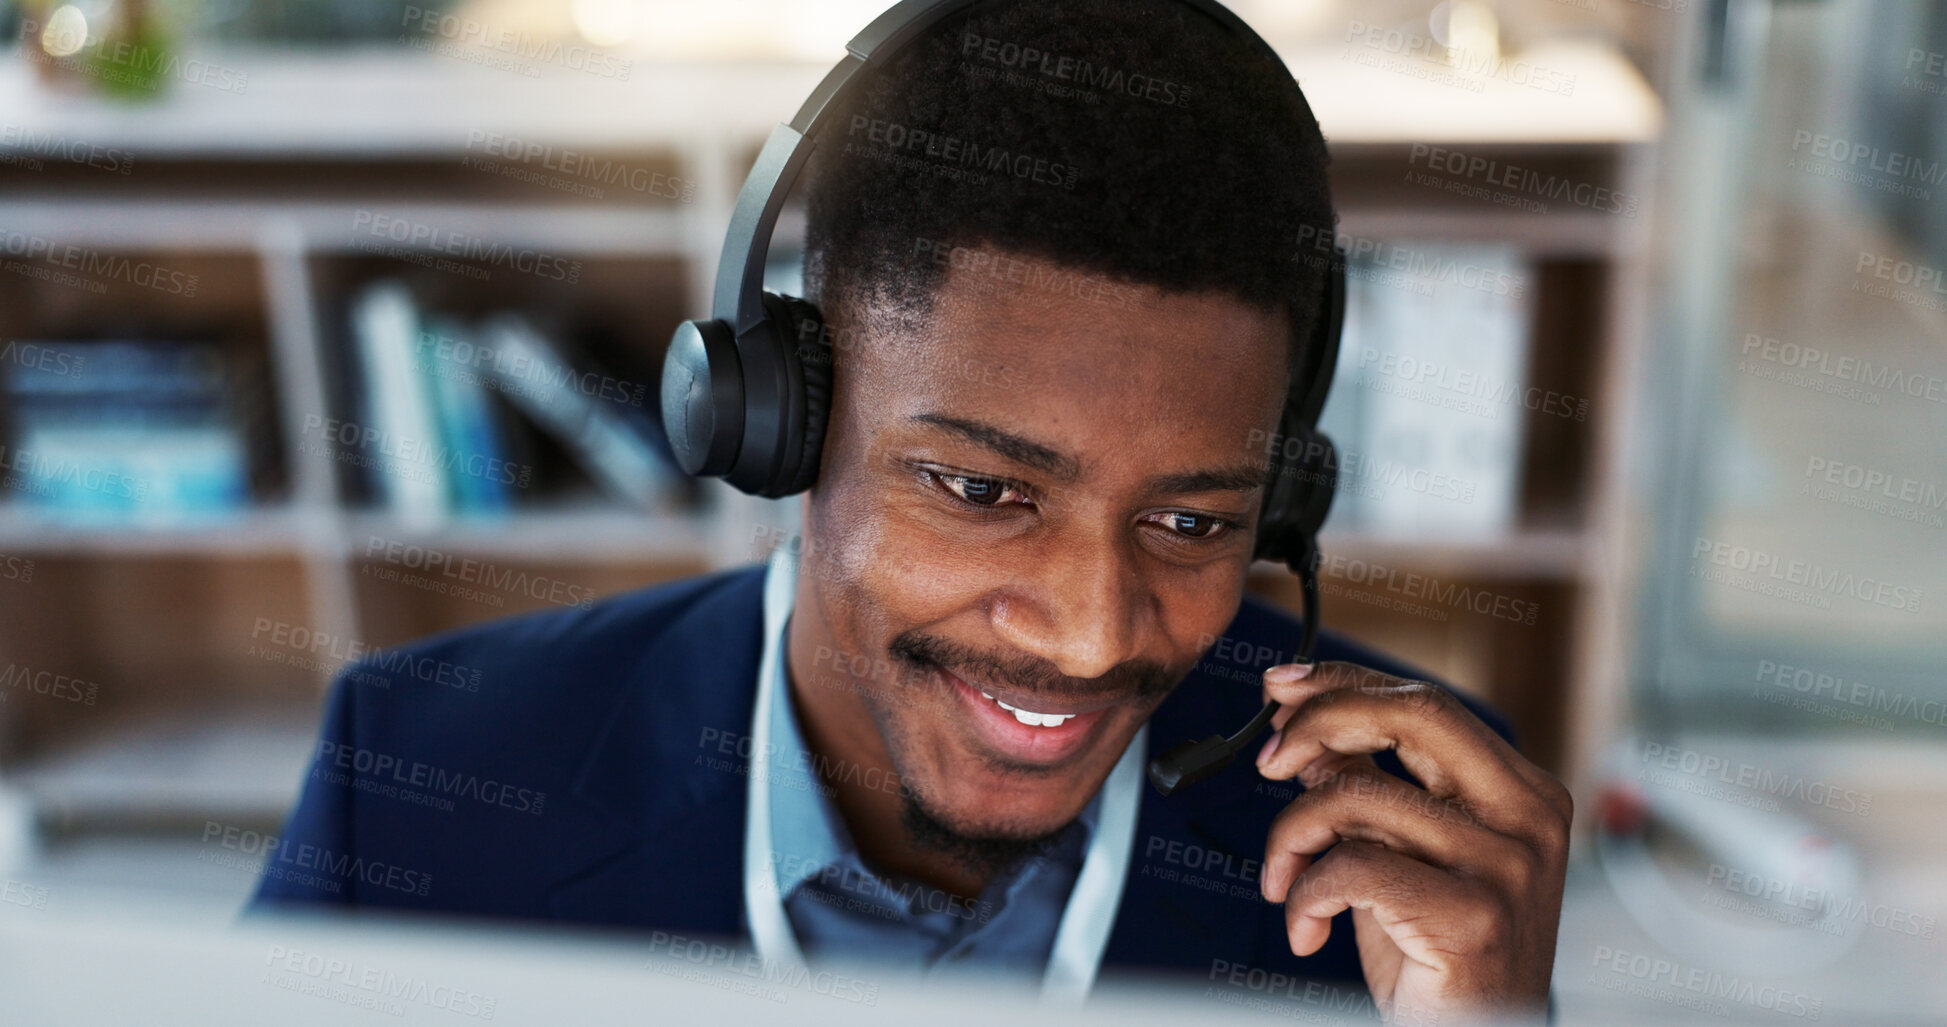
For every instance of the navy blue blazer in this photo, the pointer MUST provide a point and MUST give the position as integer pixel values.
(582, 767)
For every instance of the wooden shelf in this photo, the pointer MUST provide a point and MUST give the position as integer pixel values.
(265, 531)
(1357, 102)
(1536, 555)
(565, 534)
(555, 535)
(1554, 235)
(386, 102)
(329, 228)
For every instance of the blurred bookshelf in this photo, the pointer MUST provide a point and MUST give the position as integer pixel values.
(1514, 588)
(270, 196)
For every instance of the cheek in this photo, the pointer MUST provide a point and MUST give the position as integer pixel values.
(925, 580)
(880, 550)
(871, 579)
(1196, 611)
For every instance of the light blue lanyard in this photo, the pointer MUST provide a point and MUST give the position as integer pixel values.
(1085, 924)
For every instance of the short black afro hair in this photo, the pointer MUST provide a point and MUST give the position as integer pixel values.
(1137, 141)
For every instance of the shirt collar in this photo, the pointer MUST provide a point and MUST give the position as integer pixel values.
(806, 829)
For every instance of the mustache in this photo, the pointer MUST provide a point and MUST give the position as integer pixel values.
(1137, 679)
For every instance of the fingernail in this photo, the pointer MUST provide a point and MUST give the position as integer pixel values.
(1270, 747)
(1286, 673)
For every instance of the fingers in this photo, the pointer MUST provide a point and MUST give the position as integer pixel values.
(1463, 878)
(1340, 709)
(1291, 684)
(1436, 918)
(1360, 802)
(1282, 681)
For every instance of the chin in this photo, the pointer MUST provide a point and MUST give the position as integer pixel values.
(1010, 809)
(984, 794)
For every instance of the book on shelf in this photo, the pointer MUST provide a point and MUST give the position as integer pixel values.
(125, 431)
(607, 426)
(471, 424)
(398, 438)
(444, 412)
(1427, 401)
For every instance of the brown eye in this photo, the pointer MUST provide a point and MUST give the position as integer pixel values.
(978, 491)
(1194, 526)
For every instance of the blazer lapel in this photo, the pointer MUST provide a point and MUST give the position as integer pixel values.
(1191, 894)
(667, 776)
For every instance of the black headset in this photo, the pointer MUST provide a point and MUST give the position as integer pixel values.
(746, 394)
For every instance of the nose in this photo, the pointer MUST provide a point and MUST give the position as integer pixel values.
(1082, 604)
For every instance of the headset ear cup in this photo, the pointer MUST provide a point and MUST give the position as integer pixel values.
(1304, 463)
(702, 397)
(1298, 496)
(1282, 491)
(1321, 477)
(809, 347)
(1277, 498)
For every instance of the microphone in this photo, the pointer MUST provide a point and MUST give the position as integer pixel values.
(1203, 758)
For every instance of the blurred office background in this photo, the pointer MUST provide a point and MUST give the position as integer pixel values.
(328, 324)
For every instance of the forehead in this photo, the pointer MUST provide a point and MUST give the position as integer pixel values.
(1035, 343)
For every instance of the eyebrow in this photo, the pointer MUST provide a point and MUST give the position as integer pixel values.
(1228, 479)
(1021, 450)
(1026, 451)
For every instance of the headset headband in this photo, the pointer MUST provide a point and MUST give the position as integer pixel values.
(739, 298)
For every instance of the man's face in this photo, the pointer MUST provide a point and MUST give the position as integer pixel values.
(1046, 499)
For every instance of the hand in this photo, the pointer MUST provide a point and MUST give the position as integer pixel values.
(1455, 888)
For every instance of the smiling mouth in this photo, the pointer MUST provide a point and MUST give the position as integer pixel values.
(1030, 729)
(1051, 711)
(1029, 717)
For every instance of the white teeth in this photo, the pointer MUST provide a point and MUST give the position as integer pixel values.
(1031, 718)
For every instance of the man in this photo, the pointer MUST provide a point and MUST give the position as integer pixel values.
(918, 736)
